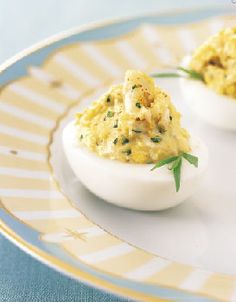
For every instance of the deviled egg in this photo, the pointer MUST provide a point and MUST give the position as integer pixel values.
(213, 97)
(129, 148)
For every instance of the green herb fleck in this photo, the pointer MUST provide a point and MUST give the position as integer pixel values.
(81, 136)
(136, 131)
(138, 105)
(115, 141)
(116, 124)
(176, 165)
(110, 114)
(108, 99)
(171, 118)
(156, 139)
(128, 151)
(161, 129)
(125, 140)
(136, 86)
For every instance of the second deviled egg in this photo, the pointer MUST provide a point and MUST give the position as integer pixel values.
(213, 97)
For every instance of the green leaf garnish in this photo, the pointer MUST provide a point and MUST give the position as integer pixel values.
(175, 163)
(186, 73)
(191, 73)
(166, 75)
(115, 141)
(191, 159)
(177, 173)
(138, 105)
(164, 162)
(176, 166)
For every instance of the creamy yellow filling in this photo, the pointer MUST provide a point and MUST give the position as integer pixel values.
(216, 61)
(134, 122)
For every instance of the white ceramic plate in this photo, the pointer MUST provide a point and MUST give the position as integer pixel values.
(179, 254)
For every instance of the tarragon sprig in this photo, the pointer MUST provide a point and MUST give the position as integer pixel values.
(186, 73)
(175, 164)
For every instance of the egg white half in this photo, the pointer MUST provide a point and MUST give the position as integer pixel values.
(133, 186)
(216, 109)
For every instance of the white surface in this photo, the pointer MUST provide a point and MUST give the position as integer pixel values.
(200, 231)
(25, 22)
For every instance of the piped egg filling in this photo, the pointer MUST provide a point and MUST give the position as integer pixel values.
(215, 60)
(135, 122)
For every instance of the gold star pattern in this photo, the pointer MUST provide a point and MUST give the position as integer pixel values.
(76, 234)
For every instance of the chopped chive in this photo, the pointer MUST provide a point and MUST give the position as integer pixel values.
(136, 131)
(171, 118)
(128, 151)
(136, 86)
(125, 140)
(138, 105)
(156, 139)
(81, 136)
(110, 114)
(161, 129)
(116, 124)
(108, 99)
(115, 141)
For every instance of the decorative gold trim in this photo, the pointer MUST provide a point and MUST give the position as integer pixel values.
(71, 271)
